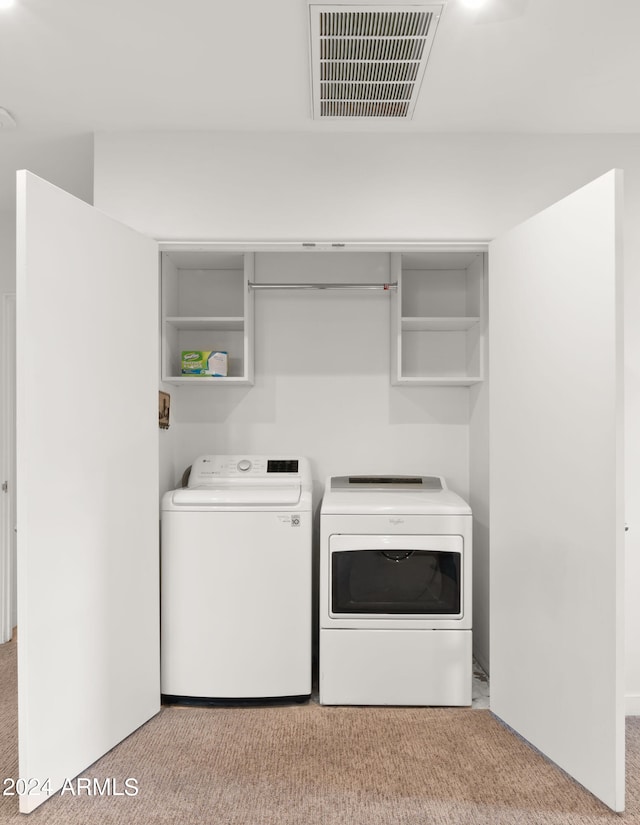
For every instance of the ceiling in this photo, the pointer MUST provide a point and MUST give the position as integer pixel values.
(522, 65)
(73, 67)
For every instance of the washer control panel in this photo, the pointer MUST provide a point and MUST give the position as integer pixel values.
(208, 470)
(282, 465)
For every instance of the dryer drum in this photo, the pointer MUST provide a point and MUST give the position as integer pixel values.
(396, 555)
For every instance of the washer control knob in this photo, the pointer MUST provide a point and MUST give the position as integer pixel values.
(244, 465)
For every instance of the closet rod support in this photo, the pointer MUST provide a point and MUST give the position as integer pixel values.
(385, 287)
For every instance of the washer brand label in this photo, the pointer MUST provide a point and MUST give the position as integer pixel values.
(396, 521)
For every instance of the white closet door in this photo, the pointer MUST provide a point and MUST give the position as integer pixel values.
(87, 332)
(557, 521)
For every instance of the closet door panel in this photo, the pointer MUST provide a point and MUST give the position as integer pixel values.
(87, 439)
(557, 520)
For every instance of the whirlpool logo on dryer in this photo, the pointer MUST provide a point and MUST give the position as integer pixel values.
(292, 520)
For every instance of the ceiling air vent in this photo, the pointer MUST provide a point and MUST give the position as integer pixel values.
(368, 61)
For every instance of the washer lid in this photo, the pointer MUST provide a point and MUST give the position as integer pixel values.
(236, 494)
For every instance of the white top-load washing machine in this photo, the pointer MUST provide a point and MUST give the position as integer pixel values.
(236, 580)
(395, 592)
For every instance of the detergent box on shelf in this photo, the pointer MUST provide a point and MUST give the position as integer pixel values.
(204, 362)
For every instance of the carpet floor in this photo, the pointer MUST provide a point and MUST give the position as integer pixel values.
(320, 765)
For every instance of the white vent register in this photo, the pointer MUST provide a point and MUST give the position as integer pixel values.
(369, 61)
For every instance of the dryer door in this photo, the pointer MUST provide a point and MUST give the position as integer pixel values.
(373, 576)
(386, 581)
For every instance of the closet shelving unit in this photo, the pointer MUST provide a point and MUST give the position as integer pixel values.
(437, 319)
(207, 305)
(437, 314)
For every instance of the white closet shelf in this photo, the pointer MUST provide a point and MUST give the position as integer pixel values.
(438, 381)
(224, 322)
(208, 380)
(438, 324)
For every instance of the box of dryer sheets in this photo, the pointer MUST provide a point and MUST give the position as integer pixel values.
(204, 362)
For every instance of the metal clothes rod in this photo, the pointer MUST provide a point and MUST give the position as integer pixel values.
(385, 287)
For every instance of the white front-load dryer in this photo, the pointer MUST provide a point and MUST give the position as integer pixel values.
(236, 580)
(395, 592)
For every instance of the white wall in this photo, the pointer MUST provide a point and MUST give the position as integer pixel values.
(64, 160)
(373, 186)
(7, 252)
(248, 186)
(7, 459)
(479, 501)
(322, 384)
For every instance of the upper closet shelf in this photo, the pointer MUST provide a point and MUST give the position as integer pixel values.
(438, 324)
(224, 322)
(438, 381)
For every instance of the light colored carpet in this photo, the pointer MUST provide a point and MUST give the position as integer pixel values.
(322, 766)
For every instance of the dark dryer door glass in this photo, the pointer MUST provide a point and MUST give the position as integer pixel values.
(396, 581)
